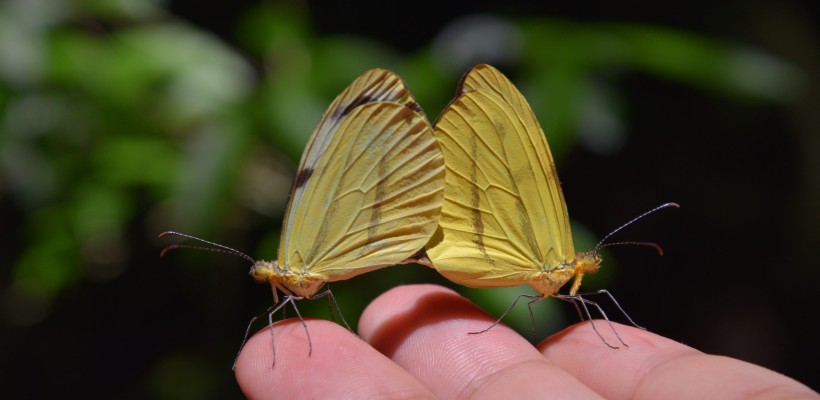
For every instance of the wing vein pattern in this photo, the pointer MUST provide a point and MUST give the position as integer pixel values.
(375, 186)
(503, 218)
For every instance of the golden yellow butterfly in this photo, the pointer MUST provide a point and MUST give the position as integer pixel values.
(367, 193)
(504, 219)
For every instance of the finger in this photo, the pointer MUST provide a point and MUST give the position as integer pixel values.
(340, 366)
(424, 329)
(655, 367)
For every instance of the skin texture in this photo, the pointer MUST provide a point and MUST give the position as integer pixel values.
(416, 346)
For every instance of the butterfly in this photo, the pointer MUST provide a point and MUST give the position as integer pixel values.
(504, 219)
(367, 193)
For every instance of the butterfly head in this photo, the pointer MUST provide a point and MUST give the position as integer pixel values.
(262, 270)
(585, 262)
(589, 261)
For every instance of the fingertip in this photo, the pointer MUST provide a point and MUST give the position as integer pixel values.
(584, 344)
(257, 373)
(597, 334)
(339, 364)
(410, 318)
(654, 366)
(614, 373)
(402, 310)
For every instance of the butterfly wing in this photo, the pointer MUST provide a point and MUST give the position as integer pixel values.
(504, 218)
(369, 187)
(374, 85)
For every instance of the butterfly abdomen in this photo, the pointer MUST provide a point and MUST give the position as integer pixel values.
(547, 282)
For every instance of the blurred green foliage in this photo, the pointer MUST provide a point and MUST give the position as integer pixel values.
(119, 120)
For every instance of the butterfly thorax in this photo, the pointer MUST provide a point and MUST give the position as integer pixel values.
(550, 279)
(286, 280)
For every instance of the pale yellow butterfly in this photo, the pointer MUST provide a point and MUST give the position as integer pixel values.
(504, 219)
(367, 193)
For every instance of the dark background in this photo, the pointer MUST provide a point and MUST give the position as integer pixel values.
(104, 144)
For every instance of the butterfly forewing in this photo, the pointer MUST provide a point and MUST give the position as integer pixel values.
(374, 85)
(503, 217)
(374, 198)
(485, 77)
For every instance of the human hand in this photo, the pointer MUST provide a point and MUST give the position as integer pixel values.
(416, 346)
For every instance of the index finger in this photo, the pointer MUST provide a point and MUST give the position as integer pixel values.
(340, 366)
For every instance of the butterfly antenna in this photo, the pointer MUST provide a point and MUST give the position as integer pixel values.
(660, 207)
(217, 248)
(646, 244)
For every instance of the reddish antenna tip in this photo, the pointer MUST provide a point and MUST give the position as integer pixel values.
(655, 246)
(167, 249)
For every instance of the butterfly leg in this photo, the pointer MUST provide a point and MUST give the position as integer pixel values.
(612, 327)
(532, 318)
(274, 309)
(612, 298)
(248, 333)
(331, 303)
(577, 309)
(292, 301)
(272, 339)
(529, 296)
(578, 299)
